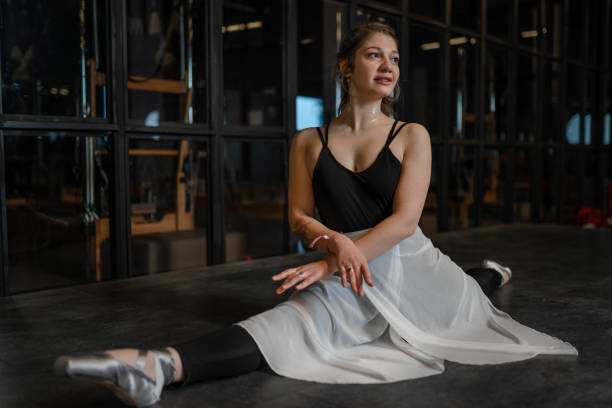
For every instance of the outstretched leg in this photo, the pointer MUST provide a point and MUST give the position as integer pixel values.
(138, 376)
(490, 276)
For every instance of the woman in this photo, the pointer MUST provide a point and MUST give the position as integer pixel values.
(407, 308)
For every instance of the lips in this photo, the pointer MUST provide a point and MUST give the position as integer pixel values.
(384, 80)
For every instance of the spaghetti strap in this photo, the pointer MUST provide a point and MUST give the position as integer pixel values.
(323, 140)
(392, 136)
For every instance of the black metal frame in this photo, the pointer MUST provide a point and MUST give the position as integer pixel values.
(216, 133)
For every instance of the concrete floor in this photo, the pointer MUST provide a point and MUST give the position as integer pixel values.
(562, 286)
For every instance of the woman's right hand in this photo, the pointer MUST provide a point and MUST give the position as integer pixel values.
(352, 265)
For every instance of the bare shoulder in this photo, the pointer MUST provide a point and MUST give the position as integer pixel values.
(414, 138)
(305, 139)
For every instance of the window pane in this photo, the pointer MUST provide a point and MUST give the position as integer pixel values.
(574, 31)
(425, 78)
(493, 181)
(46, 68)
(496, 95)
(499, 16)
(549, 186)
(528, 23)
(461, 186)
(309, 102)
(252, 62)
(429, 219)
(590, 103)
(607, 119)
(571, 185)
(572, 107)
(526, 98)
(166, 62)
(523, 171)
(594, 33)
(57, 191)
(466, 13)
(365, 16)
(553, 26)
(551, 106)
(168, 186)
(463, 86)
(431, 8)
(254, 200)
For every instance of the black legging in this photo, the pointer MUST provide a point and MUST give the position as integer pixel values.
(232, 351)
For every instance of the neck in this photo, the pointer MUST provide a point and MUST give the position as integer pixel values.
(361, 114)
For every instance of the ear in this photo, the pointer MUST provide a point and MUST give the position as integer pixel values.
(343, 68)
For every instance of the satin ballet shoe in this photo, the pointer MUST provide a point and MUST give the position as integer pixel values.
(130, 384)
(504, 271)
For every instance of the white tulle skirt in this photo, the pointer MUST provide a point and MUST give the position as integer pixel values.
(422, 310)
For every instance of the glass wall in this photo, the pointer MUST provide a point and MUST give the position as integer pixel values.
(464, 74)
(425, 78)
(166, 47)
(57, 190)
(254, 199)
(252, 62)
(186, 121)
(168, 203)
(54, 58)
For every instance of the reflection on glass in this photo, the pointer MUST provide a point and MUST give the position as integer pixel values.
(528, 28)
(549, 188)
(552, 26)
(429, 220)
(607, 120)
(425, 78)
(309, 102)
(572, 107)
(527, 94)
(254, 200)
(589, 182)
(594, 33)
(166, 62)
(551, 108)
(499, 16)
(54, 57)
(523, 171)
(571, 184)
(168, 204)
(56, 190)
(461, 186)
(493, 180)
(463, 86)
(466, 13)
(368, 16)
(574, 29)
(431, 8)
(590, 104)
(496, 95)
(252, 62)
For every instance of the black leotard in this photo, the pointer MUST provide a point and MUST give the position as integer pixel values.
(351, 201)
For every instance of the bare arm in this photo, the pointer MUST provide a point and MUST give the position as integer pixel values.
(408, 201)
(301, 199)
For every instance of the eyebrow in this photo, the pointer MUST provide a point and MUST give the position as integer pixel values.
(380, 49)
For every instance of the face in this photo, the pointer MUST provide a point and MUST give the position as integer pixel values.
(376, 69)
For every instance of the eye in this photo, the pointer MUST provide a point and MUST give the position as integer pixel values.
(395, 59)
(372, 53)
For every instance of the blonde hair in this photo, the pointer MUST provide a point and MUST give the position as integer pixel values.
(347, 50)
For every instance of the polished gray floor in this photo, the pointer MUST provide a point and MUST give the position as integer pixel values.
(562, 285)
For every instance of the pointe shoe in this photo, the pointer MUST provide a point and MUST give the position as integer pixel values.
(504, 271)
(130, 384)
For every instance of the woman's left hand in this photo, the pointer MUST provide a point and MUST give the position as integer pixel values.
(305, 275)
